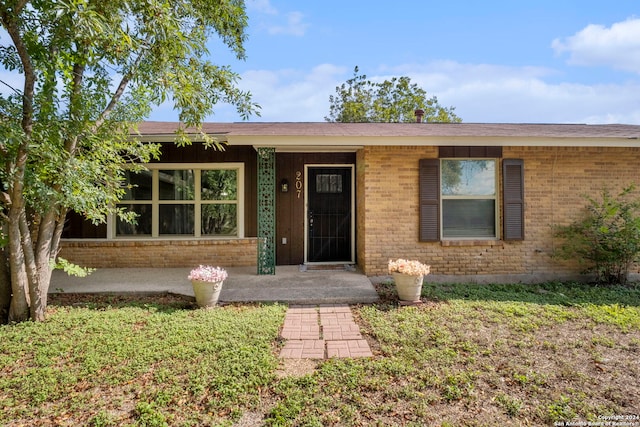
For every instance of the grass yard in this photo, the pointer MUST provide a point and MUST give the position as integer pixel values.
(472, 355)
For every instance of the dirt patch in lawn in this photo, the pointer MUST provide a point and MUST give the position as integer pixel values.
(296, 367)
(117, 299)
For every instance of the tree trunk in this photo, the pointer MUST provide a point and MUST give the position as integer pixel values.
(5, 287)
(49, 234)
(19, 308)
(37, 308)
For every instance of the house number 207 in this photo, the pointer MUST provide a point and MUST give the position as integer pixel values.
(299, 184)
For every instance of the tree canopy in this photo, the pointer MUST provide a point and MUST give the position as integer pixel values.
(89, 70)
(360, 100)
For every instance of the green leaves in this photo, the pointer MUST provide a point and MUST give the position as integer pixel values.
(91, 58)
(360, 100)
(90, 70)
(71, 269)
(607, 237)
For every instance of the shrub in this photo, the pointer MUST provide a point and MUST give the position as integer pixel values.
(606, 240)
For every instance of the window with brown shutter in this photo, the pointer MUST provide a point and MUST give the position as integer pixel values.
(431, 199)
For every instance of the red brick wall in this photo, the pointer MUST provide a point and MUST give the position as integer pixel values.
(555, 180)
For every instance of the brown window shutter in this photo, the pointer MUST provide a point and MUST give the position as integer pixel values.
(429, 200)
(513, 199)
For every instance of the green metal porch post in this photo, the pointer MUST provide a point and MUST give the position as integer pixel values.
(266, 210)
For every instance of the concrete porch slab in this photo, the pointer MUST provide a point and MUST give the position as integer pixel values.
(288, 285)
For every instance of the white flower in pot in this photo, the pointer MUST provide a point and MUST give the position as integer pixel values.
(408, 276)
(207, 283)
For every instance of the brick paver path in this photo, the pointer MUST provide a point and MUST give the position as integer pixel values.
(322, 332)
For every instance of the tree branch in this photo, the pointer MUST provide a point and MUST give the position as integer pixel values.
(20, 5)
(78, 77)
(118, 93)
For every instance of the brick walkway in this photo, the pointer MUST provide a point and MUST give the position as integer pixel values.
(322, 332)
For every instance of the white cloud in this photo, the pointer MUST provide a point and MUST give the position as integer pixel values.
(277, 23)
(479, 92)
(294, 26)
(262, 6)
(521, 97)
(496, 93)
(285, 95)
(617, 46)
(293, 95)
(530, 100)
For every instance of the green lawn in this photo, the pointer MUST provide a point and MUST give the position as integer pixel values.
(471, 355)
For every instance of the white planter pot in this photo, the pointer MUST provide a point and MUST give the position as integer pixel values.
(207, 293)
(409, 287)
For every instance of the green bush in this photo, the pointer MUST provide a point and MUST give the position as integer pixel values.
(606, 240)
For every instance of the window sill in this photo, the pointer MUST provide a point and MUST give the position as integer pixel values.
(154, 239)
(472, 242)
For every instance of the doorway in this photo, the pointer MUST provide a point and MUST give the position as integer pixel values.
(329, 220)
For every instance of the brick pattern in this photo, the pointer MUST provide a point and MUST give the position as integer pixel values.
(387, 218)
(161, 253)
(303, 349)
(324, 332)
(348, 348)
(555, 180)
(301, 323)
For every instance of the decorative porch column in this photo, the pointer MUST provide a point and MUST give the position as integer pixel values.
(266, 210)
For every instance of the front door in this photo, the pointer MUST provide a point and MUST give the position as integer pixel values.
(329, 214)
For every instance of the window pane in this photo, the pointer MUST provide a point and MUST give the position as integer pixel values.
(142, 225)
(219, 185)
(138, 185)
(176, 184)
(329, 183)
(468, 218)
(176, 219)
(468, 178)
(219, 219)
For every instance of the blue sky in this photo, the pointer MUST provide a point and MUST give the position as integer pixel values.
(562, 61)
(503, 61)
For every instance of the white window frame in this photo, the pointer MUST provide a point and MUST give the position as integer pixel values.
(496, 198)
(197, 201)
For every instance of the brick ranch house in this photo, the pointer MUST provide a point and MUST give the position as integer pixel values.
(475, 201)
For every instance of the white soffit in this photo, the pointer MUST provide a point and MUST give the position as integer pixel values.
(352, 143)
(301, 143)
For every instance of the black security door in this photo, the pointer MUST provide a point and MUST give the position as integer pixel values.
(329, 214)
